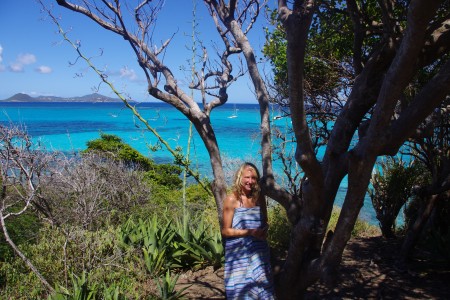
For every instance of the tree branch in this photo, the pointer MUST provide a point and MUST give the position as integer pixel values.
(434, 92)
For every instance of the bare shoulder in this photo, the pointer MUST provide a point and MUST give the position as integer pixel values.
(231, 201)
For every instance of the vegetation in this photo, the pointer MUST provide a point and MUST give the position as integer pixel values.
(397, 187)
(376, 51)
(327, 64)
(392, 189)
(22, 230)
(86, 244)
(109, 145)
(122, 248)
(112, 146)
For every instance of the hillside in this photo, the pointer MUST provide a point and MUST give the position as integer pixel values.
(87, 98)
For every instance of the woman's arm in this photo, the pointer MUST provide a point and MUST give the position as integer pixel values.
(229, 205)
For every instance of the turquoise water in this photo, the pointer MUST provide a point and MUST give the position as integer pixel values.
(68, 126)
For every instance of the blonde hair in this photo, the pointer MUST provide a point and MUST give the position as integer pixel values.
(237, 183)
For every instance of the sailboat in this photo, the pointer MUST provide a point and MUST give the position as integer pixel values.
(234, 114)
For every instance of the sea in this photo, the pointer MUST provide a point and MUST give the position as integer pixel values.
(68, 126)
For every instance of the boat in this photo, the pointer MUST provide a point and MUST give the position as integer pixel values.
(234, 114)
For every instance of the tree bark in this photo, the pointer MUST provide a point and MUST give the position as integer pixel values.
(415, 229)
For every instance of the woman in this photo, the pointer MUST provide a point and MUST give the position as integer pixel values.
(247, 265)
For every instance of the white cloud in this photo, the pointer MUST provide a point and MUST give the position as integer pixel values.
(128, 73)
(16, 67)
(44, 69)
(21, 61)
(26, 59)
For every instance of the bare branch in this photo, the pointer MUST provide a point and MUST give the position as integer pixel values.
(22, 170)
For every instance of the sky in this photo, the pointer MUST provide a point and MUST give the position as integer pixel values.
(35, 60)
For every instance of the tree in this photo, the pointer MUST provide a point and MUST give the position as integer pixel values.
(431, 147)
(407, 38)
(393, 186)
(392, 41)
(22, 169)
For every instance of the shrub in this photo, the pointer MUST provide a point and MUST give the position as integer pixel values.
(92, 192)
(112, 146)
(392, 188)
(166, 175)
(59, 254)
(279, 230)
(173, 243)
(22, 230)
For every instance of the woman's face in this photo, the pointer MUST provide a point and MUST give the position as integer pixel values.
(248, 179)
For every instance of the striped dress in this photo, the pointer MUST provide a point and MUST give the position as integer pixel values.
(247, 265)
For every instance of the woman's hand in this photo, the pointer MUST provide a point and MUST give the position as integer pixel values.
(260, 233)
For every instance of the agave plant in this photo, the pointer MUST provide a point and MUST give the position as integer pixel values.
(156, 240)
(202, 246)
(112, 293)
(166, 287)
(173, 245)
(81, 290)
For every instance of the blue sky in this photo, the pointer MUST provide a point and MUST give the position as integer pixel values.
(36, 61)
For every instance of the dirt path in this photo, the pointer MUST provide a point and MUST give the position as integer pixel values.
(368, 271)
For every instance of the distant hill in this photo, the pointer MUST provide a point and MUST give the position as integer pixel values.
(87, 98)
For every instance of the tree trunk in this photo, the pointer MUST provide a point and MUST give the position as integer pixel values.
(219, 185)
(415, 229)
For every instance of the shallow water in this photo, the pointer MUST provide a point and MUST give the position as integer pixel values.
(69, 126)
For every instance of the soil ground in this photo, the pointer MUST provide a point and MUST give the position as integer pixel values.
(368, 271)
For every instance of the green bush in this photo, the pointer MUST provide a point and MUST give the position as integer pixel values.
(21, 229)
(19, 283)
(82, 288)
(392, 189)
(112, 146)
(164, 200)
(202, 206)
(196, 194)
(279, 230)
(59, 254)
(165, 175)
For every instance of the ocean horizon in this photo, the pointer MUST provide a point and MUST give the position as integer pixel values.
(68, 126)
